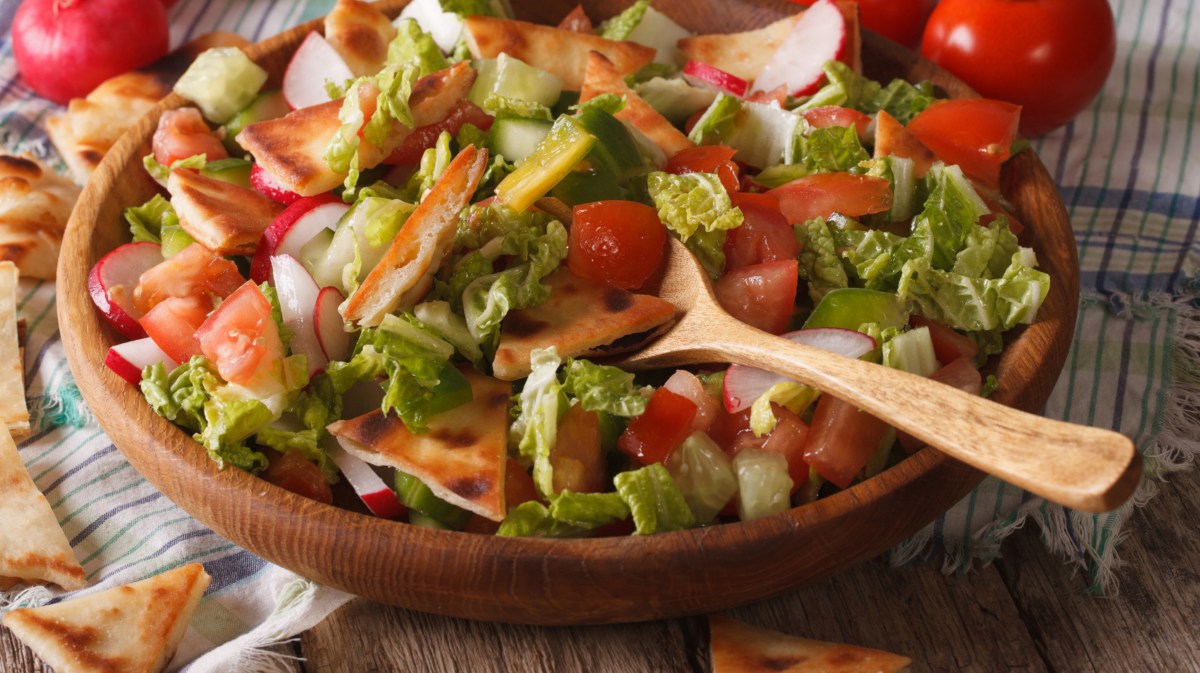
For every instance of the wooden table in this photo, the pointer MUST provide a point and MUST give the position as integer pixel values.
(1027, 612)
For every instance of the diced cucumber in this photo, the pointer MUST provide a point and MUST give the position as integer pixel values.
(220, 82)
(764, 487)
(675, 99)
(615, 150)
(232, 170)
(557, 155)
(513, 78)
(418, 497)
(266, 105)
(911, 351)
(516, 137)
(657, 30)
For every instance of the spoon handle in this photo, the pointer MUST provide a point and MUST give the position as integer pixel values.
(1074, 465)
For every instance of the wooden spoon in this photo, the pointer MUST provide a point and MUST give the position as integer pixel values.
(1074, 465)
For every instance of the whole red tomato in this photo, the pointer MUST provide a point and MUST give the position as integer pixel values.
(1051, 57)
(900, 20)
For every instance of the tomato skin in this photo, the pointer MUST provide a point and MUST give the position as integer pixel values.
(240, 338)
(1051, 57)
(293, 472)
(193, 271)
(762, 295)
(841, 439)
(974, 133)
(823, 194)
(899, 20)
(948, 345)
(464, 112)
(833, 115)
(732, 433)
(764, 236)
(707, 159)
(172, 324)
(618, 243)
(667, 421)
(182, 133)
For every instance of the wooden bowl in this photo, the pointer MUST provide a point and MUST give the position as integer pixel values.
(538, 580)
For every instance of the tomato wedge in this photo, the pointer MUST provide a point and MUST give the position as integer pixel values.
(464, 112)
(762, 295)
(240, 337)
(841, 439)
(619, 243)
(667, 421)
(824, 194)
(194, 271)
(172, 325)
(707, 159)
(764, 236)
(974, 133)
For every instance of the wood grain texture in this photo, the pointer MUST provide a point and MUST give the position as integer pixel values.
(549, 581)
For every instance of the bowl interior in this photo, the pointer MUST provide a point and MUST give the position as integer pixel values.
(553, 581)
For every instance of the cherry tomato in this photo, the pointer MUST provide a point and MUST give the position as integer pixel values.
(707, 159)
(900, 20)
(762, 295)
(172, 325)
(667, 421)
(464, 112)
(764, 236)
(619, 243)
(841, 439)
(193, 271)
(1051, 57)
(241, 338)
(823, 194)
(293, 472)
(974, 133)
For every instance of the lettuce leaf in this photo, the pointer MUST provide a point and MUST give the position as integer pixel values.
(831, 149)
(620, 26)
(434, 162)
(654, 499)
(415, 46)
(697, 209)
(794, 396)
(901, 99)
(717, 122)
(588, 510)
(845, 88)
(603, 388)
(161, 173)
(951, 212)
(820, 264)
(976, 304)
(606, 102)
(504, 106)
(147, 221)
(535, 431)
(392, 87)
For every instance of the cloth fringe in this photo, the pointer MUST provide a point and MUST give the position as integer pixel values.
(63, 405)
(29, 597)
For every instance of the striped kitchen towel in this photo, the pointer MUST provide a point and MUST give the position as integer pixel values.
(1133, 193)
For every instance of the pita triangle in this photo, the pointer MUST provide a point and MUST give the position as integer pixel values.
(741, 648)
(226, 218)
(462, 456)
(133, 628)
(14, 414)
(742, 55)
(578, 317)
(603, 77)
(360, 33)
(560, 52)
(893, 139)
(33, 549)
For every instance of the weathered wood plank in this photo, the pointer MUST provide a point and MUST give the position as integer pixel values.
(16, 658)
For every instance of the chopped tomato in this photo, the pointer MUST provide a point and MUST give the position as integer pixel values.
(948, 344)
(464, 112)
(667, 421)
(293, 472)
(960, 373)
(193, 271)
(518, 485)
(823, 194)
(974, 133)
(841, 439)
(182, 133)
(732, 433)
(835, 115)
(757, 198)
(172, 325)
(577, 458)
(764, 236)
(762, 295)
(685, 383)
(240, 337)
(707, 159)
(619, 243)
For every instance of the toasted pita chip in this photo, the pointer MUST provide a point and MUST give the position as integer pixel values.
(33, 549)
(360, 33)
(853, 48)
(741, 648)
(579, 316)
(893, 139)
(292, 148)
(223, 217)
(577, 22)
(13, 412)
(561, 52)
(35, 203)
(462, 457)
(133, 628)
(742, 55)
(405, 273)
(603, 77)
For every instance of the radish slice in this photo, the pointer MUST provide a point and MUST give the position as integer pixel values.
(375, 494)
(331, 329)
(705, 76)
(291, 229)
(745, 384)
(297, 296)
(264, 183)
(113, 279)
(313, 64)
(130, 358)
(819, 36)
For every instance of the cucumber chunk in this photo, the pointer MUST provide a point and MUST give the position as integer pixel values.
(513, 78)
(516, 137)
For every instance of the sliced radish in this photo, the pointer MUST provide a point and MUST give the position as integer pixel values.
(745, 384)
(819, 36)
(313, 64)
(130, 358)
(297, 297)
(112, 280)
(294, 227)
(705, 76)
(264, 183)
(374, 493)
(331, 329)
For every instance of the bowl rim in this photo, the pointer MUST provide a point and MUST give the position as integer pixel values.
(178, 464)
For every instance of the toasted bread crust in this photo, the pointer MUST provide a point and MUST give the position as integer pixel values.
(223, 217)
(603, 77)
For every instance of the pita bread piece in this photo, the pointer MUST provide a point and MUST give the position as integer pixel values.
(561, 52)
(33, 549)
(741, 648)
(893, 139)
(405, 273)
(578, 317)
(14, 415)
(35, 204)
(603, 77)
(462, 456)
(360, 33)
(133, 628)
(577, 21)
(223, 217)
(742, 55)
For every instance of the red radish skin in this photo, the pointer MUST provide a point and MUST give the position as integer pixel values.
(819, 36)
(314, 63)
(112, 280)
(374, 493)
(706, 76)
(128, 359)
(66, 48)
(264, 183)
(331, 329)
(745, 384)
(282, 228)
